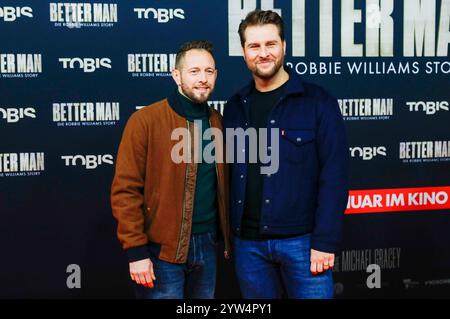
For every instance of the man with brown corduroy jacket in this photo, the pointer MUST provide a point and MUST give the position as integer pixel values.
(169, 201)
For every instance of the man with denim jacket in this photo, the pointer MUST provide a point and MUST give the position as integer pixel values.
(286, 225)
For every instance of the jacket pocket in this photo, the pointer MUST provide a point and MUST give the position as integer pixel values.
(293, 143)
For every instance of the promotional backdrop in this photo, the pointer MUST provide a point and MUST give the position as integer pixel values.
(71, 74)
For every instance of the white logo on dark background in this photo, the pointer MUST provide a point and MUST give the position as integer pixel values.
(368, 153)
(366, 108)
(88, 65)
(86, 113)
(151, 64)
(20, 65)
(77, 15)
(21, 164)
(14, 115)
(88, 161)
(429, 107)
(426, 151)
(10, 14)
(160, 14)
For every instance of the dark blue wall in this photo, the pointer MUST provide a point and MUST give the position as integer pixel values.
(62, 215)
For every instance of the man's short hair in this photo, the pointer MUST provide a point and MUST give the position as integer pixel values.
(192, 45)
(260, 17)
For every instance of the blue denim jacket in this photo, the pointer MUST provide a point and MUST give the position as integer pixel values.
(308, 193)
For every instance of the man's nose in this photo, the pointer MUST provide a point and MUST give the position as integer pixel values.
(263, 52)
(203, 78)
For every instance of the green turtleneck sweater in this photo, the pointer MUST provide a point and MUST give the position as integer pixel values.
(205, 205)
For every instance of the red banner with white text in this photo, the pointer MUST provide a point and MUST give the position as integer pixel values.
(398, 199)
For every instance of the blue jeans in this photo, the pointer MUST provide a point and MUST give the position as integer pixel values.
(264, 267)
(195, 279)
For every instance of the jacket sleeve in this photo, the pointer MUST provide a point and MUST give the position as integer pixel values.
(127, 191)
(333, 156)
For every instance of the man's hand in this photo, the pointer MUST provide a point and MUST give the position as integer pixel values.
(141, 272)
(321, 261)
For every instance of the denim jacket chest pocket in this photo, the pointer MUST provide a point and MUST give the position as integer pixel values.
(295, 144)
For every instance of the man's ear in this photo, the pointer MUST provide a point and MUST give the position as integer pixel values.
(284, 46)
(176, 76)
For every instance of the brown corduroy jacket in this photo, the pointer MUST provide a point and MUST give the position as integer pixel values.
(152, 197)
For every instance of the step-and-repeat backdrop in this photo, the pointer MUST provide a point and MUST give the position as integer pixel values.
(71, 73)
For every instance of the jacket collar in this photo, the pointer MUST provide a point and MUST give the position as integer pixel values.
(294, 85)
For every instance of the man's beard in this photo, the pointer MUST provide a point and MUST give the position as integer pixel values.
(196, 98)
(269, 73)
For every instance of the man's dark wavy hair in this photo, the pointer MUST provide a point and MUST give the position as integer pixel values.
(259, 17)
